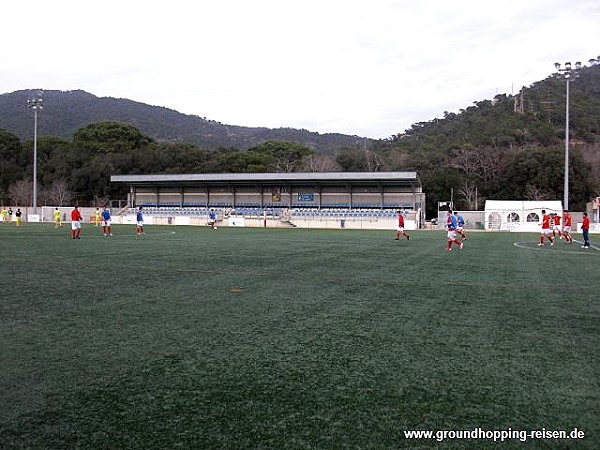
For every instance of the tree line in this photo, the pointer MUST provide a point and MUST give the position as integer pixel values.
(79, 170)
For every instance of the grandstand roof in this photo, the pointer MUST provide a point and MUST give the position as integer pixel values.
(282, 178)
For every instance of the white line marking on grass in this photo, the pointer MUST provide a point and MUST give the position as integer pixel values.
(591, 246)
(86, 236)
(530, 246)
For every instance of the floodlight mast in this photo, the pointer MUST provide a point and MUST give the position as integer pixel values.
(568, 72)
(35, 104)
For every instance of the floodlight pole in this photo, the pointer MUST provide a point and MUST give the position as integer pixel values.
(566, 187)
(568, 72)
(35, 104)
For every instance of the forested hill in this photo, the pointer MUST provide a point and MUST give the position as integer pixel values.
(67, 111)
(511, 147)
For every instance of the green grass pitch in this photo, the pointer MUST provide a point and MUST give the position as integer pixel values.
(293, 339)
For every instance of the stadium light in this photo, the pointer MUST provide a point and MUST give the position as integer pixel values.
(35, 104)
(568, 72)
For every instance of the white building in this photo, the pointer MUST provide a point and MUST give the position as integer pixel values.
(518, 215)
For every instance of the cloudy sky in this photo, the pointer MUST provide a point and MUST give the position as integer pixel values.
(367, 68)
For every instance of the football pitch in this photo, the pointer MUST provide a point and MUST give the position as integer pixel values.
(295, 339)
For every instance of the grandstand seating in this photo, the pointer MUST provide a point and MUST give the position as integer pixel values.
(250, 210)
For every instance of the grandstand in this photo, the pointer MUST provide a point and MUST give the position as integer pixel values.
(323, 200)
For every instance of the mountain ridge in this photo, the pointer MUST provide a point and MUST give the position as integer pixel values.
(66, 111)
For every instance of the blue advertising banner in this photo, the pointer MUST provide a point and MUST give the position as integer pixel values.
(306, 197)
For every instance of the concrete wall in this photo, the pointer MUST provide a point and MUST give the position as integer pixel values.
(474, 220)
(321, 222)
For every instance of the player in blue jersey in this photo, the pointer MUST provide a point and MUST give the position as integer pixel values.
(106, 228)
(451, 225)
(460, 225)
(139, 227)
(212, 219)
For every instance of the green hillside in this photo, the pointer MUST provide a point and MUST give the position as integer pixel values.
(67, 111)
(511, 147)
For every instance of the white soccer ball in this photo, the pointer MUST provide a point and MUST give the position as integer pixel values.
(215, 228)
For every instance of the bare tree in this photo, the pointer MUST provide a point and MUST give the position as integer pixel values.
(321, 163)
(491, 163)
(533, 192)
(484, 163)
(469, 193)
(101, 201)
(58, 194)
(373, 162)
(20, 192)
(465, 159)
(397, 160)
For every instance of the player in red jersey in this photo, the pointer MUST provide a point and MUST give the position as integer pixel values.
(567, 223)
(76, 223)
(400, 227)
(556, 229)
(546, 230)
(585, 229)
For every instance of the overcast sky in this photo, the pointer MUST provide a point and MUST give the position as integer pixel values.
(367, 68)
